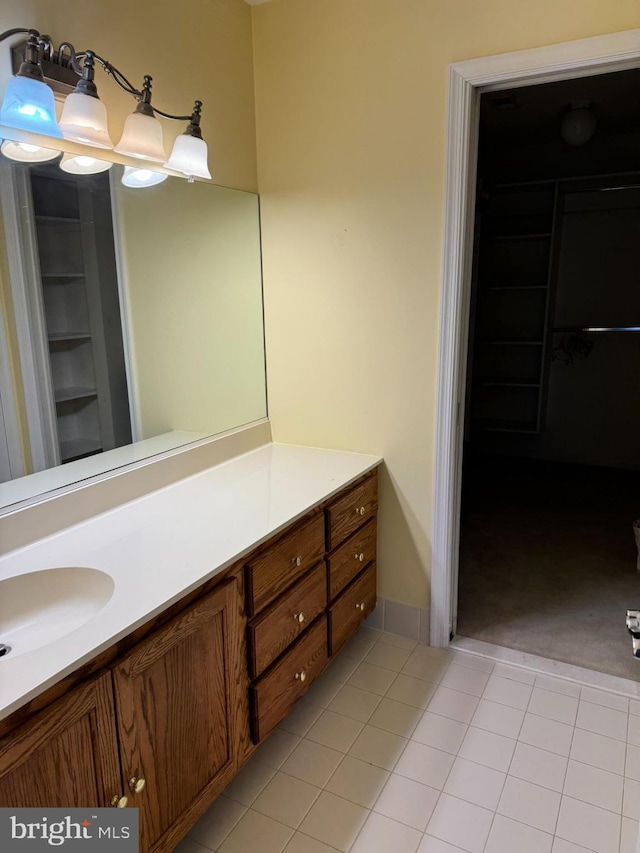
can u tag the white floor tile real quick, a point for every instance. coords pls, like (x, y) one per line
(599, 751)
(360, 644)
(634, 707)
(411, 691)
(312, 762)
(444, 656)
(333, 820)
(395, 717)
(562, 846)
(500, 719)
(389, 657)
(460, 823)
(398, 641)
(187, 845)
(357, 781)
(602, 721)
(633, 730)
(558, 685)
(631, 806)
(286, 799)
(341, 669)
(530, 804)
(629, 835)
(382, 835)
(588, 826)
(440, 732)
(322, 691)
(465, 680)
(375, 679)
(595, 786)
(509, 836)
(300, 718)
(475, 783)
(277, 748)
(378, 747)
(216, 823)
(249, 782)
(515, 673)
(435, 845)
(425, 764)
(426, 666)
(472, 661)
(546, 734)
(407, 801)
(632, 763)
(603, 697)
(334, 730)
(508, 692)
(487, 748)
(554, 706)
(301, 843)
(355, 703)
(453, 704)
(539, 766)
(256, 832)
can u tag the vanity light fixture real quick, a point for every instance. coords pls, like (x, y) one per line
(81, 164)
(84, 116)
(24, 152)
(142, 177)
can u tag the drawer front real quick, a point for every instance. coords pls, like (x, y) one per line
(352, 511)
(279, 625)
(352, 608)
(357, 552)
(273, 571)
(273, 695)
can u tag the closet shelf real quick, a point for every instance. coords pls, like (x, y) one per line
(77, 448)
(69, 336)
(513, 343)
(64, 220)
(63, 395)
(540, 235)
(512, 287)
(510, 383)
(507, 426)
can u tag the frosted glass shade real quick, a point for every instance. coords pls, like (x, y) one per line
(23, 152)
(28, 105)
(80, 164)
(142, 137)
(134, 177)
(84, 119)
(189, 156)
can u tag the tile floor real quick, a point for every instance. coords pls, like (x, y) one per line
(403, 748)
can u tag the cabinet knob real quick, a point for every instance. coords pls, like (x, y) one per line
(301, 676)
(297, 561)
(360, 510)
(360, 606)
(360, 557)
(119, 802)
(137, 785)
(299, 617)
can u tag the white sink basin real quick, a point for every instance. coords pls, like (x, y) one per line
(40, 607)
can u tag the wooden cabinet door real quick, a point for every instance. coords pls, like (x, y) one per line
(67, 755)
(176, 705)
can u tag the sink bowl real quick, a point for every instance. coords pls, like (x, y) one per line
(40, 607)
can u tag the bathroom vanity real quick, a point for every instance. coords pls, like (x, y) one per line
(232, 591)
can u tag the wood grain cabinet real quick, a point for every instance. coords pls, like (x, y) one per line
(166, 717)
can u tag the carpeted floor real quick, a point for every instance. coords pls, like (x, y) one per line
(548, 561)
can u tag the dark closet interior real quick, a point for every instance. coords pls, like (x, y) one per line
(552, 425)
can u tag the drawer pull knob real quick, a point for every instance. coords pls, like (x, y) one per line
(299, 617)
(301, 676)
(137, 785)
(119, 802)
(360, 510)
(360, 606)
(360, 557)
(297, 561)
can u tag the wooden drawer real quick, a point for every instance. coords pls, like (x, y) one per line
(351, 511)
(281, 564)
(357, 552)
(273, 695)
(279, 625)
(352, 608)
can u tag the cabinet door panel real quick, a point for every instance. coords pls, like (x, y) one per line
(66, 756)
(175, 703)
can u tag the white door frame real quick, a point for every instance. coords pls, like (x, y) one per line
(598, 55)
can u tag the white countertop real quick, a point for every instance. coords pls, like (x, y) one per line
(162, 546)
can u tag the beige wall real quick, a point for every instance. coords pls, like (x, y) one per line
(351, 123)
(193, 49)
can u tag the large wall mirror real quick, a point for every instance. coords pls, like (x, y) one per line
(131, 321)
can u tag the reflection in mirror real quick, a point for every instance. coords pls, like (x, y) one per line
(126, 315)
